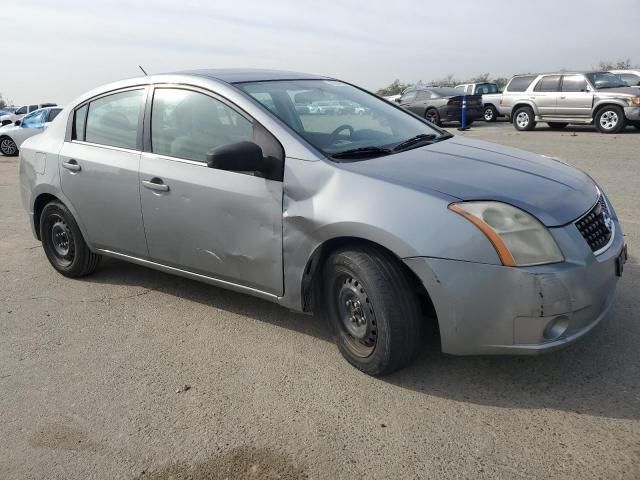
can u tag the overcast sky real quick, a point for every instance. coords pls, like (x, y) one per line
(54, 50)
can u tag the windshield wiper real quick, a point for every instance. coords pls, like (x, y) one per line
(413, 141)
(362, 152)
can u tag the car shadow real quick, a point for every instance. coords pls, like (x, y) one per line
(597, 376)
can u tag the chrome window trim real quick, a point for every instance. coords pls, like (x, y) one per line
(174, 159)
(109, 147)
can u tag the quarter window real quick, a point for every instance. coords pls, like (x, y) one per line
(520, 84)
(113, 120)
(79, 122)
(548, 84)
(188, 124)
(574, 83)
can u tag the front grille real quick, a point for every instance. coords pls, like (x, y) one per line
(596, 226)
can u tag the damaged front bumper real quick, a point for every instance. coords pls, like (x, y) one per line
(493, 309)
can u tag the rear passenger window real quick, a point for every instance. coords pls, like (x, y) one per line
(520, 84)
(113, 120)
(574, 83)
(79, 122)
(187, 124)
(548, 84)
(53, 114)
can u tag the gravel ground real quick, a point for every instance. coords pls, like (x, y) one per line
(131, 373)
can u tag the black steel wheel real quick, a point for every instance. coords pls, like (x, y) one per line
(63, 243)
(373, 310)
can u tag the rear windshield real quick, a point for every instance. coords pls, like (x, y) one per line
(483, 88)
(520, 84)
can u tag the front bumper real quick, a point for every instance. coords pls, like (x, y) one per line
(492, 309)
(632, 113)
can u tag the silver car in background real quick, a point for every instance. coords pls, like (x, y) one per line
(560, 99)
(378, 219)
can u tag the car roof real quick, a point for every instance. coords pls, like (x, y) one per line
(241, 75)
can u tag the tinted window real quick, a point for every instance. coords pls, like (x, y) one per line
(34, 120)
(520, 84)
(113, 120)
(408, 97)
(630, 79)
(574, 83)
(33, 108)
(550, 83)
(605, 80)
(187, 124)
(483, 88)
(53, 113)
(21, 111)
(79, 122)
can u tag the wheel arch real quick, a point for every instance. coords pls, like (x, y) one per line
(311, 284)
(523, 104)
(606, 103)
(42, 198)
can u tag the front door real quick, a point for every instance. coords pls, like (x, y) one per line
(99, 171)
(223, 224)
(575, 99)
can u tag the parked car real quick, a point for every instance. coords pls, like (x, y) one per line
(599, 98)
(22, 111)
(441, 104)
(490, 97)
(12, 136)
(382, 224)
(630, 77)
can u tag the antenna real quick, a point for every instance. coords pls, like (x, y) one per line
(145, 73)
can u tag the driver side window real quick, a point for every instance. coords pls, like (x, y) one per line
(34, 120)
(187, 124)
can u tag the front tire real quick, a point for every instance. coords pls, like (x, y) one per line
(490, 113)
(433, 116)
(8, 147)
(524, 119)
(557, 125)
(372, 309)
(63, 243)
(610, 119)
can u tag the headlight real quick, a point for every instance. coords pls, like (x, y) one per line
(635, 100)
(519, 238)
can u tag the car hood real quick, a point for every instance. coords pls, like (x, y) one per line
(626, 90)
(466, 169)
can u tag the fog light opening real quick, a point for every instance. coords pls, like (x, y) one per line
(556, 328)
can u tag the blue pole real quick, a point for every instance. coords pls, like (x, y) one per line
(463, 121)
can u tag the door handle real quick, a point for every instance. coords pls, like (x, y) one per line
(156, 184)
(562, 98)
(72, 165)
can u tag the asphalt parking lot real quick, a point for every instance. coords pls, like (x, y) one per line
(93, 373)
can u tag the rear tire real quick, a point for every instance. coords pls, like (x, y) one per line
(372, 309)
(490, 113)
(63, 243)
(433, 116)
(8, 147)
(557, 125)
(610, 119)
(524, 119)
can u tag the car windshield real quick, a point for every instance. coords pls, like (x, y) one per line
(602, 80)
(340, 118)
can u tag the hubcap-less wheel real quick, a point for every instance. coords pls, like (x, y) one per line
(357, 316)
(8, 147)
(432, 116)
(522, 119)
(609, 120)
(61, 239)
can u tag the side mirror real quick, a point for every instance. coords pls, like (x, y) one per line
(17, 123)
(238, 157)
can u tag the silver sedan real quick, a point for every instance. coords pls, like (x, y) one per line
(381, 221)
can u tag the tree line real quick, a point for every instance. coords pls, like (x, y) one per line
(396, 87)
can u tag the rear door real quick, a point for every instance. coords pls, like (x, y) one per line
(545, 94)
(222, 224)
(99, 165)
(575, 99)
